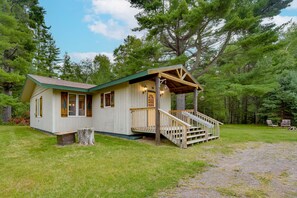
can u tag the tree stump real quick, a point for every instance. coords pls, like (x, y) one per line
(86, 136)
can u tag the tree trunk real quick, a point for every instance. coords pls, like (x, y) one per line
(7, 109)
(180, 101)
(245, 110)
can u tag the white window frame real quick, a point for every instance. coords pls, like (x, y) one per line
(105, 100)
(77, 105)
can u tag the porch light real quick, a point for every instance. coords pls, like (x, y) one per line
(144, 89)
(162, 92)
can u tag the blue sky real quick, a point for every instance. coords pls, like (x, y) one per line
(84, 28)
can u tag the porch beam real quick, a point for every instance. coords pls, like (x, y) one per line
(179, 75)
(157, 107)
(195, 101)
(179, 88)
(170, 77)
(183, 77)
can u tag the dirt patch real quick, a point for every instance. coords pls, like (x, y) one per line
(259, 170)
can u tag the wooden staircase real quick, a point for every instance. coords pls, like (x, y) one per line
(187, 131)
(183, 128)
(197, 135)
(194, 135)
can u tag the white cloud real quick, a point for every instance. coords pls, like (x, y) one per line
(293, 5)
(111, 29)
(112, 18)
(78, 56)
(119, 9)
(280, 20)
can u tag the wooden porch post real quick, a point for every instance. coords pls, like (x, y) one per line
(158, 135)
(195, 101)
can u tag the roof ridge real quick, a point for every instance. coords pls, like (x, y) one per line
(32, 75)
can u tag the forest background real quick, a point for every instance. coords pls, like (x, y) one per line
(247, 66)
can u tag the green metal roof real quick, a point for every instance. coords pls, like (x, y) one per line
(119, 81)
(87, 88)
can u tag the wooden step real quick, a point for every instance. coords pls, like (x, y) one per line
(196, 135)
(196, 131)
(201, 140)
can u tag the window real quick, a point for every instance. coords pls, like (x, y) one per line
(38, 107)
(107, 99)
(77, 105)
(89, 105)
(72, 104)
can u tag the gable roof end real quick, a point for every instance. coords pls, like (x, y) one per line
(46, 82)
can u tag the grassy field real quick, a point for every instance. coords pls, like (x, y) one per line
(33, 165)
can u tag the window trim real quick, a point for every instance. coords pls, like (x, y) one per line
(77, 104)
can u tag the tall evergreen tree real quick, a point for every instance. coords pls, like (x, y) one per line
(198, 32)
(136, 55)
(46, 55)
(16, 51)
(66, 69)
(102, 70)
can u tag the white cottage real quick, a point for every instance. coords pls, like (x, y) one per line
(140, 103)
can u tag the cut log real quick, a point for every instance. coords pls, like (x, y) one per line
(86, 136)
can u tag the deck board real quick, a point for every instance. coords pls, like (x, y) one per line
(152, 129)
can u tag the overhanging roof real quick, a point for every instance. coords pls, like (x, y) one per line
(46, 82)
(119, 81)
(178, 79)
(169, 72)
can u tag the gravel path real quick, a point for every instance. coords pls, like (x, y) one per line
(260, 170)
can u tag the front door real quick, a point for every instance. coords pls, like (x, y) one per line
(151, 99)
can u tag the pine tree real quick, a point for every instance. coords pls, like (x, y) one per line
(16, 51)
(102, 70)
(66, 69)
(199, 32)
(47, 54)
(136, 55)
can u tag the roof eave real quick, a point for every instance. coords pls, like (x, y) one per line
(119, 81)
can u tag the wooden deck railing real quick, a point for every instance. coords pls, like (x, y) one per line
(212, 128)
(143, 119)
(174, 129)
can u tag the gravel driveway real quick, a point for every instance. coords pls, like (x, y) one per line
(259, 170)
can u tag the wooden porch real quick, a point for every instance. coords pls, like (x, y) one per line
(182, 127)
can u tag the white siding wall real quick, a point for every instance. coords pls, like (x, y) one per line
(64, 124)
(139, 99)
(113, 119)
(45, 122)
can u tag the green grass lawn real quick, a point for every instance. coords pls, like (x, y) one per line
(32, 165)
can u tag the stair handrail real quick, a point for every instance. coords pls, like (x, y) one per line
(199, 120)
(175, 118)
(209, 118)
(197, 113)
(185, 128)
